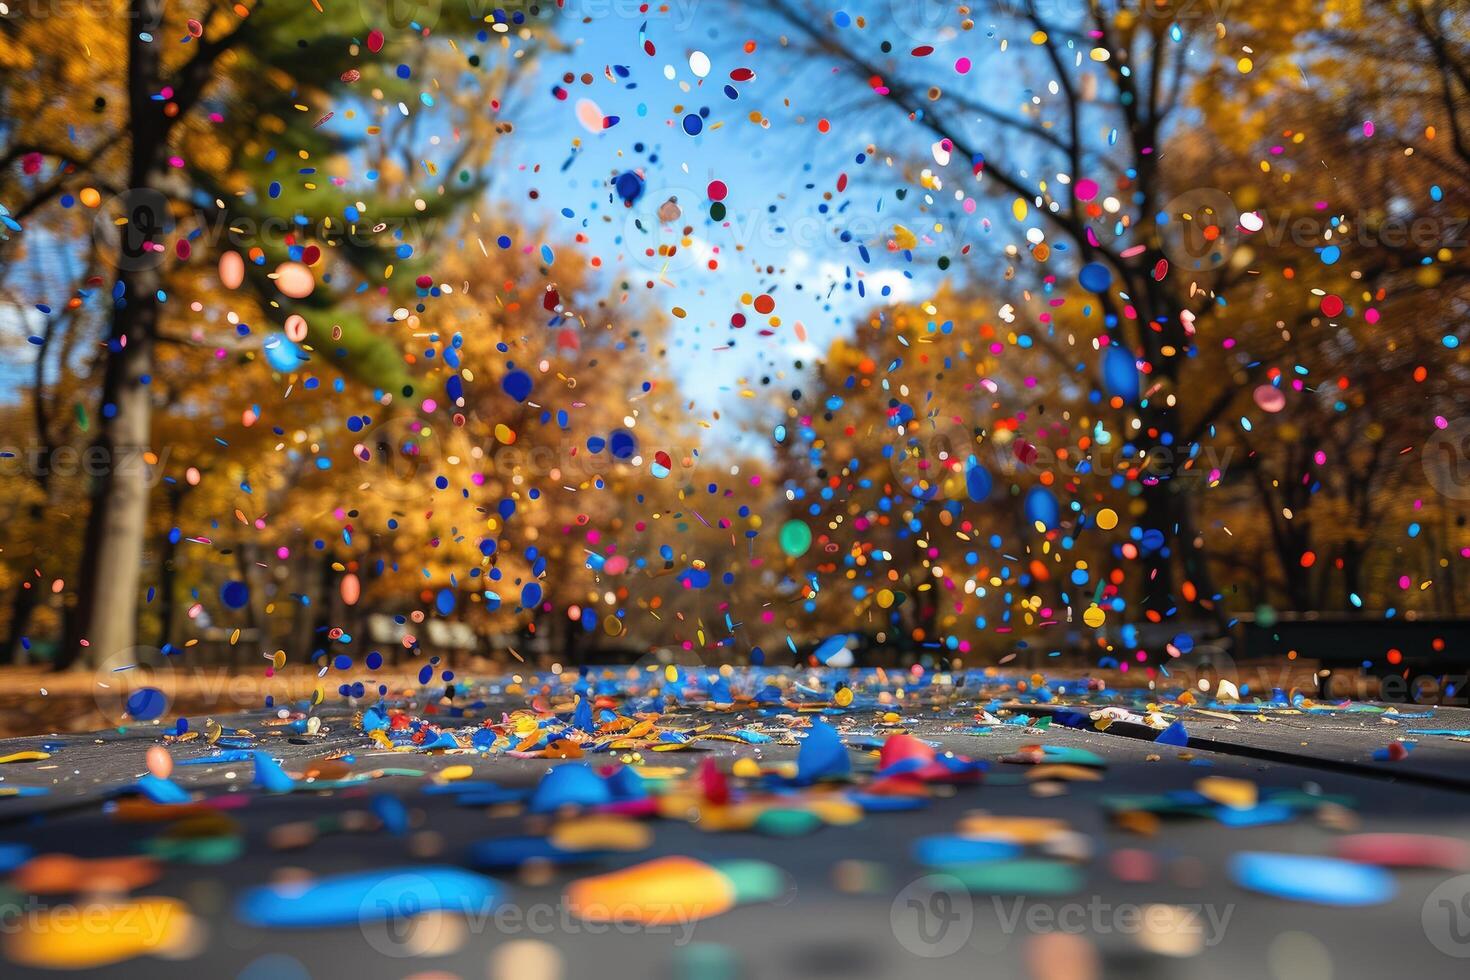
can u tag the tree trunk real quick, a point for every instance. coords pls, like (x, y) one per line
(168, 583)
(105, 617)
(169, 567)
(24, 604)
(327, 594)
(112, 552)
(1353, 558)
(303, 617)
(1159, 514)
(1195, 562)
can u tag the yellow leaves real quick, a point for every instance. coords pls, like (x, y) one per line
(15, 55)
(1428, 276)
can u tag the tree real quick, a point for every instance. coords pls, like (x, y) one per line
(1087, 124)
(191, 122)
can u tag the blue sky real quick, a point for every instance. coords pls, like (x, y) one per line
(776, 178)
(781, 233)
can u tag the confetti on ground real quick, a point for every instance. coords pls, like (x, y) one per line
(553, 441)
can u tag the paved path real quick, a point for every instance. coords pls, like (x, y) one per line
(837, 918)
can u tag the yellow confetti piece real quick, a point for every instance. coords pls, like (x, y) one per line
(1062, 771)
(720, 819)
(661, 772)
(1238, 794)
(113, 933)
(24, 757)
(1022, 830)
(601, 833)
(838, 811)
(451, 773)
(671, 889)
(1138, 821)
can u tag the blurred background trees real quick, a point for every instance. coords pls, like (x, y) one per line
(1269, 207)
(1284, 426)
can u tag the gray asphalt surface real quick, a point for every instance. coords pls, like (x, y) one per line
(817, 929)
